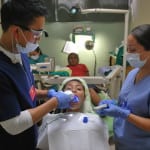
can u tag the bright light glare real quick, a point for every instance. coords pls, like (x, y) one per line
(80, 40)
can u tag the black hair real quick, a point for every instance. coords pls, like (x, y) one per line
(73, 54)
(38, 50)
(142, 34)
(21, 12)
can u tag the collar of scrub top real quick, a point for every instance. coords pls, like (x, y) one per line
(12, 56)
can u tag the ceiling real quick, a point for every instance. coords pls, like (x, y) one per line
(59, 10)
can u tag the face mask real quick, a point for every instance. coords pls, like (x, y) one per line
(134, 60)
(35, 57)
(28, 48)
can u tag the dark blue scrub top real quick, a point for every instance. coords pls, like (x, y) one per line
(16, 81)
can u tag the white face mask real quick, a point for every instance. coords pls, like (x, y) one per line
(34, 57)
(28, 48)
(134, 60)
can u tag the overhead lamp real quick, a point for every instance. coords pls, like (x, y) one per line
(70, 47)
(89, 44)
(74, 10)
(83, 32)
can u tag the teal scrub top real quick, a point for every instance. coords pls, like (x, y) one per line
(39, 60)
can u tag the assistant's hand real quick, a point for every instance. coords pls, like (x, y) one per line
(114, 111)
(107, 101)
(63, 99)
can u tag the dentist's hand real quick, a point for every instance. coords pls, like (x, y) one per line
(51, 93)
(114, 111)
(63, 99)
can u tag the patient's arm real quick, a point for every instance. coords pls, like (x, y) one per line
(95, 98)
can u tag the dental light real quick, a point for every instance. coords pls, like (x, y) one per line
(74, 10)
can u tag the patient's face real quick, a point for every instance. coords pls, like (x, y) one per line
(77, 88)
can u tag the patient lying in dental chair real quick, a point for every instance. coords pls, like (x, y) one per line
(79, 128)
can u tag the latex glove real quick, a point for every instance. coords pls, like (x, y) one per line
(63, 99)
(107, 101)
(114, 111)
(51, 93)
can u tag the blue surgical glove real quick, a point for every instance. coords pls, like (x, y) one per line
(51, 93)
(107, 101)
(114, 111)
(63, 99)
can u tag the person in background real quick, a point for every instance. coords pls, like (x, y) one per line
(22, 25)
(77, 68)
(132, 111)
(76, 123)
(119, 59)
(37, 56)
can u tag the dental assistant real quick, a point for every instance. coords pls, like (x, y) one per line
(132, 113)
(22, 24)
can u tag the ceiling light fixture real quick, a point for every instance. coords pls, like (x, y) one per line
(75, 10)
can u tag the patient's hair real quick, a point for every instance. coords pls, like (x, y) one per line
(73, 80)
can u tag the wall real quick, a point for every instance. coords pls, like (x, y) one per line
(140, 12)
(108, 37)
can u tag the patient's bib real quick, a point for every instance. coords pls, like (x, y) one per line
(73, 131)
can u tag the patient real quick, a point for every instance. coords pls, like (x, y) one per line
(78, 124)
